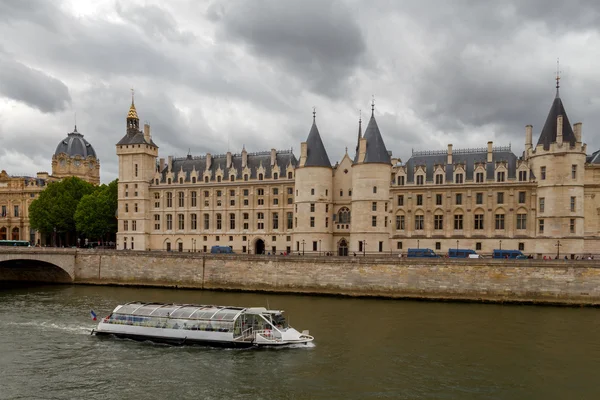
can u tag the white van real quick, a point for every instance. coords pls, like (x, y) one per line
(475, 256)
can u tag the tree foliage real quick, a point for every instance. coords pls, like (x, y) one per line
(95, 216)
(55, 208)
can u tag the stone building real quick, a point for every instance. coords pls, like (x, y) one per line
(74, 156)
(542, 202)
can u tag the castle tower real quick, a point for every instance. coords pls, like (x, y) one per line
(557, 161)
(137, 163)
(314, 188)
(371, 174)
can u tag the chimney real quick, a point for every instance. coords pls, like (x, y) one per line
(489, 151)
(161, 164)
(559, 130)
(244, 158)
(208, 161)
(228, 165)
(449, 154)
(273, 157)
(147, 137)
(528, 137)
(170, 161)
(303, 153)
(577, 131)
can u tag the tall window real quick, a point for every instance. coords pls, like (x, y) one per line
(419, 179)
(499, 221)
(193, 222)
(136, 170)
(400, 200)
(459, 178)
(543, 173)
(439, 179)
(181, 199)
(458, 199)
(374, 220)
(401, 181)
(521, 197)
(157, 222)
(181, 222)
(419, 199)
(156, 200)
(134, 225)
(479, 198)
(541, 226)
(419, 222)
(344, 215)
(193, 195)
(522, 176)
(374, 206)
(206, 221)
(16, 211)
(542, 204)
(275, 221)
(521, 221)
(438, 199)
(219, 221)
(572, 203)
(458, 222)
(312, 207)
(374, 189)
(572, 225)
(260, 217)
(501, 176)
(500, 197)
(573, 171)
(400, 222)
(169, 222)
(312, 222)
(479, 177)
(478, 222)
(231, 221)
(169, 199)
(438, 222)
(290, 220)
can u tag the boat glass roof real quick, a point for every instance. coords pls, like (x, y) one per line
(183, 311)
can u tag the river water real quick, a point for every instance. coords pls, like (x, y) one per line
(363, 349)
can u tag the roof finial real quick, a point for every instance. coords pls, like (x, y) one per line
(557, 76)
(132, 93)
(75, 118)
(314, 113)
(373, 105)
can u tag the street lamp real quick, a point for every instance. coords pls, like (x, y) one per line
(364, 248)
(248, 247)
(457, 246)
(500, 244)
(302, 246)
(417, 243)
(558, 248)
(319, 246)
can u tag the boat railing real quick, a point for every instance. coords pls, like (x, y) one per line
(245, 335)
(269, 334)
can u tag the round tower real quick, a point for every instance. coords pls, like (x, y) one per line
(371, 174)
(313, 195)
(557, 163)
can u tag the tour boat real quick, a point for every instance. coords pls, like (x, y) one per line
(201, 324)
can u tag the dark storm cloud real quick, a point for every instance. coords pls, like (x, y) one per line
(32, 87)
(320, 42)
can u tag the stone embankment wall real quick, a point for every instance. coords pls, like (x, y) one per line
(560, 282)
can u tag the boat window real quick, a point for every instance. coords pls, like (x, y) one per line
(279, 321)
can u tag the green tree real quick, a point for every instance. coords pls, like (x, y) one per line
(54, 209)
(95, 216)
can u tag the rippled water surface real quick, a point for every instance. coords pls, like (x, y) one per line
(364, 348)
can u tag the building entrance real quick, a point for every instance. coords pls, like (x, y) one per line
(259, 246)
(343, 248)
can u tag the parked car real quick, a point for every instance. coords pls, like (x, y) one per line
(421, 253)
(221, 250)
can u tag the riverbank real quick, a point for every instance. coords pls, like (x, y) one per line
(555, 282)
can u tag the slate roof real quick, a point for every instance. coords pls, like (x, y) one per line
(75, 145)
(593, 158)
(548, 134)
(376, 151)
(316, 155)
(468, 157)
(135, 138)
(254, 160)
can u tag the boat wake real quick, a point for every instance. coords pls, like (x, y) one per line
(46, 325)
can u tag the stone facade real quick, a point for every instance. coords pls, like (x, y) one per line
(544, 202)
(74, 156)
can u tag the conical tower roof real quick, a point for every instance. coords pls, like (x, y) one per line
(132, 111)
(316, 155)
(376, 150)
(548, 134)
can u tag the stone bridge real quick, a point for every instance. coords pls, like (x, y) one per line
(37, 264)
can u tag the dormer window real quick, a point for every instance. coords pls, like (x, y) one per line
(206, 179)
(459, 178)
(419, 179)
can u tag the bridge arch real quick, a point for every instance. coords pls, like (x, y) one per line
(27, 265)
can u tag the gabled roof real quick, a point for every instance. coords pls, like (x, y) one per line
(376, 151)
(548, 134)
(316, 155)
(136, 138)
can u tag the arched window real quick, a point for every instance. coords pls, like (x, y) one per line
(232, 178)
(193, 179)
(245, 177)
(290, 175)
(275, 175)
(180, 180)
(260, 177)
(206, 179)
(344, 215)
(3, 233)
(219, 178)
(169, 181)
(15, 234)
(374, 189)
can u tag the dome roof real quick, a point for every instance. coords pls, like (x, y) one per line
(75, 145)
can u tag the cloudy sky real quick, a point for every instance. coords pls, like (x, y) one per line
(215, 75)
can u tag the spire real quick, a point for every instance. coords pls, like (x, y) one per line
(133, 122)
(132, 111)
(557, 77)
(359, 134)
(316, 155)
(549, 134)
(376, 150)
